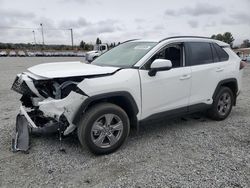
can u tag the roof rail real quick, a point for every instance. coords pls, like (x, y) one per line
(176, 37)
(129, 40)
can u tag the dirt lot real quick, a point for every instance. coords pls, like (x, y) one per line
(190, 152)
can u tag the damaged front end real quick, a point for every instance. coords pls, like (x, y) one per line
(47, 106)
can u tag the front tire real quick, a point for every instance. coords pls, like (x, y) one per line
(222, 104)
(104, 128)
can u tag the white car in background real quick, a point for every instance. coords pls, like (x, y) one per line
(98, 50)
(30, 54)
(247, 58)
(137, 81)
(12, 53)
(3, 53)
(21, 53)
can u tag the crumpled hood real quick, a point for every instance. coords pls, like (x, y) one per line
(69, 69)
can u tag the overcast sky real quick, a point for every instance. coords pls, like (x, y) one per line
(117, 20)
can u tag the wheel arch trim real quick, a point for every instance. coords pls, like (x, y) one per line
(109, 95)
(227, 81)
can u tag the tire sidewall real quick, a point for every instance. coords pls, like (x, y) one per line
(217, 98)
(97, 114)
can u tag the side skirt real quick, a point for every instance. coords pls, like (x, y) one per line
(170, 114)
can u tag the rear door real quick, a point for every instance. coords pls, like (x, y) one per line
(205, 72)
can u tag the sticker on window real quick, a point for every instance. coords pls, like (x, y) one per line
(142, 47)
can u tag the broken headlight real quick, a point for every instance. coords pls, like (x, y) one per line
(21, 87)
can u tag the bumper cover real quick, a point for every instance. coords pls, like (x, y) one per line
(20, 142)
(25, 126)
(52, 110)
(24, 123)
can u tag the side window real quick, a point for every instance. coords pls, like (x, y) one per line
(173, 52)
(223, 56)
(215, 54)
(199, 53)
(103, 48)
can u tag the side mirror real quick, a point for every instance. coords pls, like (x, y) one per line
(159, 65)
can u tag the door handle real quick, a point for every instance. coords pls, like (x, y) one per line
(185, 77)
(219, 69)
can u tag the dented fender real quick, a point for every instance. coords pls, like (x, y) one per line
(55, 108)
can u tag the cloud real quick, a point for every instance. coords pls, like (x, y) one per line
(242, 18)
(139, 20)
(199, 9)
(72, 1)
(79, 23)
(80, 2)
(237, 19)
(193, 23)
(105, 26)
(9, 18)
(15, 14)
(227, 21)
(158, 27)
(202, 9)
(47, 22)
(170, 12)
(210, 24)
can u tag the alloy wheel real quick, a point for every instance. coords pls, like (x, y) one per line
(106, 130)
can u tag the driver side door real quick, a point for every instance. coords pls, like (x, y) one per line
(168, 91)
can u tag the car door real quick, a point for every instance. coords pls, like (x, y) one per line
(205, 73)
(169, 89)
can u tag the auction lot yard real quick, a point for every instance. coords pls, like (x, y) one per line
(185, 152)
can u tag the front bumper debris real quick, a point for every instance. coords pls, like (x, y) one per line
(50, 116)
(25, 126)
(24, 123)
(20, 142)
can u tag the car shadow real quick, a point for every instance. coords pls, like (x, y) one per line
(156, 126)
(71, 143)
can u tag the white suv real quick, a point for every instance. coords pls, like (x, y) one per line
(137, 81)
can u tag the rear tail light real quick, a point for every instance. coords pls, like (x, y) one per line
(242, 64)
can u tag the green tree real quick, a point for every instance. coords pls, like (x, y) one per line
(226, 37)
(98, 41)
(245, 44)
(82, 44)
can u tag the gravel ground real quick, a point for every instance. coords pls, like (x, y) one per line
(185, 152)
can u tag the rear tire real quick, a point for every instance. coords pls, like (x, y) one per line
(222, 104)
(103, 128)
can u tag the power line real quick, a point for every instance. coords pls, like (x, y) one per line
(45, 28)
(42, 29)
(17, 28)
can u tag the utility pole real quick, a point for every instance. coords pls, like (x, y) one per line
(42, 33)
(34, 39)
(34, 34)
(72, 38)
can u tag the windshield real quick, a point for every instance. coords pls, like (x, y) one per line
(124, 55)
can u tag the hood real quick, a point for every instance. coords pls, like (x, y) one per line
(69, 69)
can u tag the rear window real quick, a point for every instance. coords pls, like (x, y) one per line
(220, 53)
(199, 53)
